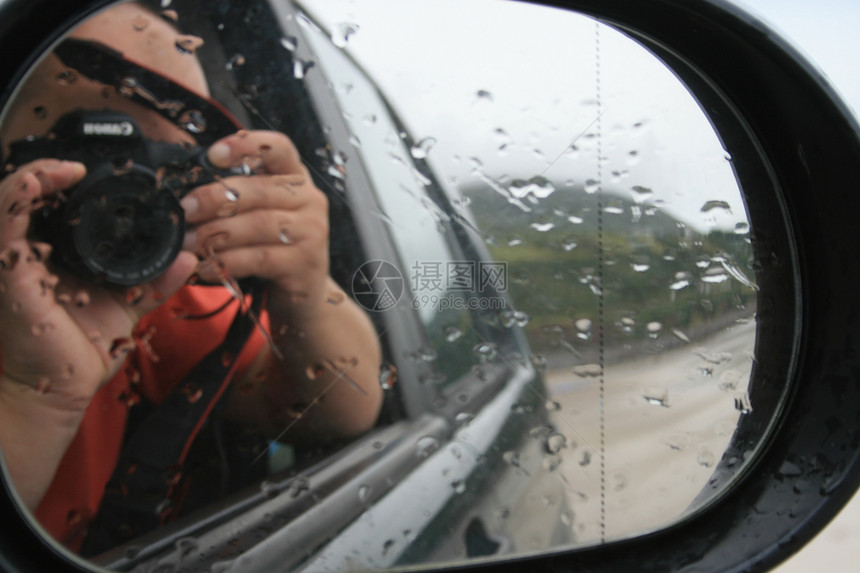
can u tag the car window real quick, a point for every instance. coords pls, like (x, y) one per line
(444, 284)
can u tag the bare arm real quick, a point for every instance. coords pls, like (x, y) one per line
(322, 382)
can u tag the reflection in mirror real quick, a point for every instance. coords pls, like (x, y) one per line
(532, 325)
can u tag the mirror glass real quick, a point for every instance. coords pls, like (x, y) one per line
(532, 325)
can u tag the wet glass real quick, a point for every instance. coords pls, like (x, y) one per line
(587, 168)
(556, 254)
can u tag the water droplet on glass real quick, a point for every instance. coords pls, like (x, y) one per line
(657, 397)
(640, 267)
(186, 546)
(132, 552)
(387, 376)
(453, 333)
(121, 346)
(742, 228)
(555, 443)
(680, 335)
(521, 318)
(188, 44)
(641, 193)
(539, 362)
(513, 458)
(342, 33)
(269, 490)
(425, 354)
(134, 295)
(193, 122)
(536, 190)
(230, 208)
(464, 418)
(542, 227)
(588, 370)
(484, 94)
(170, 15)
(426, 445)
(298, 486)
(485, 351)
(742, 403)
(290, 43)
(592, 186)
(713, 357)
(335, 297)
(363, 493)
(300, 68)
(679, 285)
(515, 242)
(314, 371)
(67, 77)
(193, 393)
(421, 149)
(706, 458)
(715, 276)
(236, 61)
(521, 278)
(570, 243)
(140, 23)
(583, 326)
(716, 204)
(43, 385)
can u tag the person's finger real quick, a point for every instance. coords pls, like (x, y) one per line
(141, 299)
(235, 195)
(258, 227)
(269, 151)
(26, 189)
(289, 267)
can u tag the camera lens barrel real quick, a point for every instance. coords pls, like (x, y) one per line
(118, 229)
(122, 224)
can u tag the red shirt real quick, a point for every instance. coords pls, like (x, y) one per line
(168, 347)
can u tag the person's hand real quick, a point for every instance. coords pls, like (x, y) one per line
(61, 338)
(272, 224)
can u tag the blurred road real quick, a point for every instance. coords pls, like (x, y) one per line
(668, 420)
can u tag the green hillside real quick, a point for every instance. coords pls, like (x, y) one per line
(656, 270)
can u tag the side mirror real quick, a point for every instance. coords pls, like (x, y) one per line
(764, 222)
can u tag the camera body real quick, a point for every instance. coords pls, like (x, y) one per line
(122, 224)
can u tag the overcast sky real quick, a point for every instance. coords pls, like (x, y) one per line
(513, 85)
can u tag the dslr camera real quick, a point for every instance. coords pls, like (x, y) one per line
(122, 224)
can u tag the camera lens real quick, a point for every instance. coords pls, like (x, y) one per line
(121, 229)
